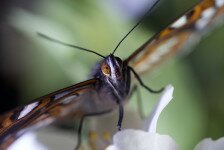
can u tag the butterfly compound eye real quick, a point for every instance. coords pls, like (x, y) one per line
(105, 69)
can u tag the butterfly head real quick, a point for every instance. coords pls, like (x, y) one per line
(113, 73)
(112, 67)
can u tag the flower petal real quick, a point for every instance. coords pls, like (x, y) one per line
(165, 98)
(209, 144)
(27, 142)
(141, 140)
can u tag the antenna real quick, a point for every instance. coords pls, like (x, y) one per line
(66, 44)
(143, 17)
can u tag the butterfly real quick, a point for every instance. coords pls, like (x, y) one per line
(110, 85)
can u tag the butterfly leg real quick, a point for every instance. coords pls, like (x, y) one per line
(142, 84)
(121, 114)
(79, 141)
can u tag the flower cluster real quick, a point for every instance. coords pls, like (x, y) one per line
(150, 140)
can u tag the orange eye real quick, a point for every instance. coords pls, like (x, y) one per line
(105, 69)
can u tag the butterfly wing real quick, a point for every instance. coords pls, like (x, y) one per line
(73, 101)
(185, 31)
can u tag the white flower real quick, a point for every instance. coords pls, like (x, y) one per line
(27, 142)
(150, 140)
(209, 144)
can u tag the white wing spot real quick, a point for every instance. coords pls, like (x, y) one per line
(219, 3)
(205, 18)
(180, 22)
(69, 99)
(161, 50)
(27, 109)
(58, 96)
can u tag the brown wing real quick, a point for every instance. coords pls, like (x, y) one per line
(67, 102)
(177, 37)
